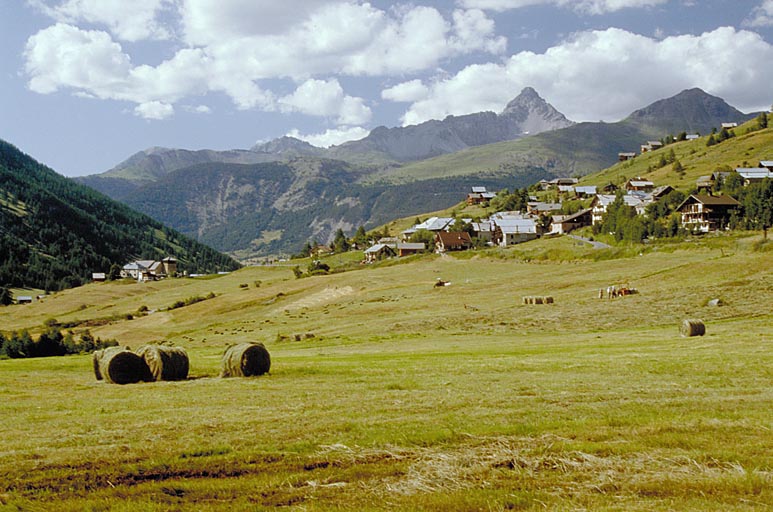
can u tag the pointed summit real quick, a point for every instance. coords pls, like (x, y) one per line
(533, 113)
(692, 110)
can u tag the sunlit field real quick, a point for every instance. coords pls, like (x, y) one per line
(386, 392)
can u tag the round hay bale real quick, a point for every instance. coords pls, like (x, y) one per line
(118, 365)
(165, 363)
(548, 300)
(692, 327)
(246, 360)
(95, 357)
(537, 300)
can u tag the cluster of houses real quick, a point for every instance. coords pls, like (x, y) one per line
(150, 270)
(700, 212)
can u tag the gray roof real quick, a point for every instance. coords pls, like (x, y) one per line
(411, 246)
(376, 248)
(755, 174)
(766, 163)
(510, 225)
(586, 189)
(478, 190)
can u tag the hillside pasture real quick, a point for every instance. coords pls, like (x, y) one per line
(401, 395)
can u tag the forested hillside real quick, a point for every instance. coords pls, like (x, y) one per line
(54, 233)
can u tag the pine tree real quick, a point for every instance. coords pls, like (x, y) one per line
(6, 298)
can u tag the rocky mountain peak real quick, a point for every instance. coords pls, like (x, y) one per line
(287, 144)
(534, 113)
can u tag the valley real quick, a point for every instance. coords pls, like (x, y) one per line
(415, 397)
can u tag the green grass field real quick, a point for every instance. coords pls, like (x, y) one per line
(412, 397)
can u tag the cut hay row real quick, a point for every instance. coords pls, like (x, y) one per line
(119, 365)
(530, 299)
(165, 363)
(246, 360)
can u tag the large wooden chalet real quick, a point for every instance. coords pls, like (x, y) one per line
(704, 213)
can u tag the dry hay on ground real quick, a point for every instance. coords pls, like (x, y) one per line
(165, 363)
(246, 360)
(118, 365)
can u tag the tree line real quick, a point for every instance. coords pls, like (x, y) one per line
(52, 342)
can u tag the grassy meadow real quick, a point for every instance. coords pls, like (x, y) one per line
(387, 393)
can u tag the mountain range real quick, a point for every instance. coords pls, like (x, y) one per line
(277, 195)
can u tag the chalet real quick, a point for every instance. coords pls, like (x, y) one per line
(513, 230)
(408, 248)
(540, 208)
(566, 189)
(693, 136)
(555, 183)
(622, 157)
(754, 175)
(609, 188)
(24, 299)
(661, 191)
(148, 270)
(434, 224)
(452, 241)
(379, 252)
(651, 145)
(482, 231)
(601, 202)
(479, 195)
(98, 277)
(639, 184)
(709, 182)
(704, 213)
(729, 126)
(585, 191)
(562, 224)
(768, 164)
(321, 250)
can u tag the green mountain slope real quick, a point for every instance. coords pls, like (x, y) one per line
(746, 149)
(54, 233)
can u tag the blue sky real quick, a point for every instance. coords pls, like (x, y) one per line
(87, 83)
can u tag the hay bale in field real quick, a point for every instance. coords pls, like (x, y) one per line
(165, 363)
(692, 327)
(95, 357)
(119, 365)
(537, 300)
(548, 300)
(246, 360)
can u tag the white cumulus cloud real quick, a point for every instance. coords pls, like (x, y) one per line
(239, 47)
(584, 6)
(133, 20)
(331, 137)
(413, 90)
(155, 110)
(326, 98)
(65, 56)
(607, 74)
(761, 16)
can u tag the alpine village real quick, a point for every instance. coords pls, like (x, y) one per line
(574, 316)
